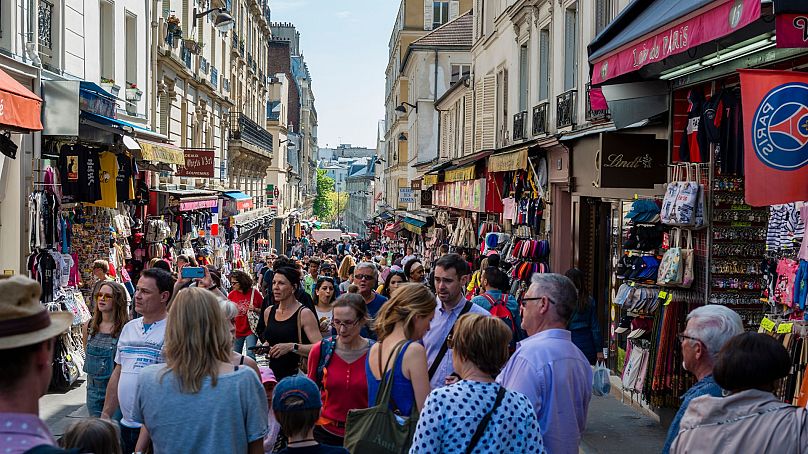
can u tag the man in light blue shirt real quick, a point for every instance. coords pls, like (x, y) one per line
(451, 278)
(547, 367)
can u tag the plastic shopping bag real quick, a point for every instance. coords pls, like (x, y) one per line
(601, 385)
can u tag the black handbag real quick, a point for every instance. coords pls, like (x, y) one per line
(65, 370)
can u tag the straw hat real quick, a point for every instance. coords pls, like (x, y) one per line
(23, 320)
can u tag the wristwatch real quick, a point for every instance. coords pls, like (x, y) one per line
(295, 347)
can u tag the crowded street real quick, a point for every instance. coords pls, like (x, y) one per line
(403, 226)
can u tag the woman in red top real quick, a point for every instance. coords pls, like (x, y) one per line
(247, 299)
(343, 382)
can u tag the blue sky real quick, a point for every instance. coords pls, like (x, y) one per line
(345, 45)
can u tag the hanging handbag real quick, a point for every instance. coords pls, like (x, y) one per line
(687, 263)
(376, 430)
(65, 370)
(253, 318)
(680, 201)
(670, 268)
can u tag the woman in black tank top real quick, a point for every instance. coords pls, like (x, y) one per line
(291, 329)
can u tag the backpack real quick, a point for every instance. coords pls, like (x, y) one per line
(327, 348)
(499, 309)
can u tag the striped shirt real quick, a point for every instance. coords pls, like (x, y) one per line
(139, 346)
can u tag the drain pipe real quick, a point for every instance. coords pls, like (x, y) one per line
(153, 95)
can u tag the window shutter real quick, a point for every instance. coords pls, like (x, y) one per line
(489, 112)
(428, 15)
(479, 89)
(570, 48)
(165, 112)
(468, 119)
(505, 119)
(451, 141)
(454, 9)
(185, 9)
(444, 135)
(478, 19)
(544, 64)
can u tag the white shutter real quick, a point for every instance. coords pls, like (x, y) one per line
(428, 15)
(468, 123)
(489, 104)
(479, 89)
(450, 119)
(454, 9)
(444, 135)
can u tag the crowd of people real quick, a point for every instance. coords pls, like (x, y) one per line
(337, 352)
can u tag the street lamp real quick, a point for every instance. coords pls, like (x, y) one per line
(400, 109)
(402, 137)
(291, 144)
(223, 21)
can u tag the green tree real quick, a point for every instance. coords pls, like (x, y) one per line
(339, 203)
(323, 206)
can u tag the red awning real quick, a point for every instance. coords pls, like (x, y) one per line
(706, 24)
(19, 107)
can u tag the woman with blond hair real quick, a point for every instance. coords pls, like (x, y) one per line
(476, 411)
(399, 324)
(101, 335)
(198, 401)
(237, 359)
(344, 268)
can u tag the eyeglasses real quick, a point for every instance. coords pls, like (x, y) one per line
(525, 300)
(364, 277)
(683, 336)
(346, 324)
(102, 297)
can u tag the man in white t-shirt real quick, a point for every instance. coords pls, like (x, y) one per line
(140, 345)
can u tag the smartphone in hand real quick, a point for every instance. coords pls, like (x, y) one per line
(192, 272)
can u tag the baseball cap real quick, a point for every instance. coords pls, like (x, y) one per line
(625, 325)
(296, 393)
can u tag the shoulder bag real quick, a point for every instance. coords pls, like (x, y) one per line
(303, 362)
(253, 318)
(445, 346)
(377, 430)
(484, 422)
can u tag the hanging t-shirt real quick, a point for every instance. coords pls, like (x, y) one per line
(124, 181)
(108, 180)
(78, 171)
(690, 148)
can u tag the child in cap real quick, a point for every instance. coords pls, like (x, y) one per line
(273, 428)
(296, 403)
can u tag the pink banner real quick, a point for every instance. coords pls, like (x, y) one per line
(792, 30)
(198, 204)
(697, 28)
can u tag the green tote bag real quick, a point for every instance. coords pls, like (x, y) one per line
(376, 430)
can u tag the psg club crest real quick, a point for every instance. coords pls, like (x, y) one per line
(775, 119)
(780, 127)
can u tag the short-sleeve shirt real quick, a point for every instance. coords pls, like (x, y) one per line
(242, 302)
(137, 348)
(221, 418)
(373, 307)
(452, 413)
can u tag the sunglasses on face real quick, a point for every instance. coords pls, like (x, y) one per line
(101, 297)
(364, 277)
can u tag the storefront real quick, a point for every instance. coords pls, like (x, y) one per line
(719, 212)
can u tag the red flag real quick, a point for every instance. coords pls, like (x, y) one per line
(775, 115)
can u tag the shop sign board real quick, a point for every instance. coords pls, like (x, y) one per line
(721, 19)
(463, 195)
(415, 185)
(405, 195)
(791, 23)
(198, 163)
(157, 152)
(631, 161)
(430, 180)
(196, 204)
(507, 162)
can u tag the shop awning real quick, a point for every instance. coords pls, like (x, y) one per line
(22, 109)
(243, 201)
(116, 126)
(649, 31)
(459, 173)
(161, 152)
(507, 162)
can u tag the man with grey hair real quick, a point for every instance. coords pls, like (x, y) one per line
(547, 367)
(708, 329)
(366, 277)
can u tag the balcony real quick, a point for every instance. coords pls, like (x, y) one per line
(234, 43)
(246, 130)
(226, 84)
(565, 109)
(250, 62)
(594, 116)
(540, 118)
(520, 126)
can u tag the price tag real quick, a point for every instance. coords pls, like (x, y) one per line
(632, 284)
(784, 328)
(767, 324)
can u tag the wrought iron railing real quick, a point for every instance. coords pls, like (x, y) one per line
(244, 129)
(226, 84)
(565, 109)
(520, 126)
(234, 42)
(45, 21)
(539, 120)
(594, 115)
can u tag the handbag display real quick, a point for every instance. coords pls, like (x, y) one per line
(65, 370)
(377, 430)
(683, 204)
(670, 268)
